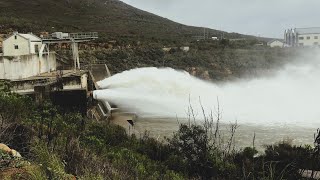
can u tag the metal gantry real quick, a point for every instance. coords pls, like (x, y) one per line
(71, 38)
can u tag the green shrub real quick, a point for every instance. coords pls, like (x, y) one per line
(152, 148)
(37, 173)
(195, 154)
(139, 166)
(100, 136)
(49, 161)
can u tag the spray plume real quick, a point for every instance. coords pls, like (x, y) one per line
(289, 97)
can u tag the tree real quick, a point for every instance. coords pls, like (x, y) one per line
(192, 143)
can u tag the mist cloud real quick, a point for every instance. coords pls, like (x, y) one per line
(287, 98)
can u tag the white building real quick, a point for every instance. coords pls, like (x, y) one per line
(275, 43)
(21, 67)
(302, 37)
(23, 56)
(21, 44)
(185, 48)
(215, 38)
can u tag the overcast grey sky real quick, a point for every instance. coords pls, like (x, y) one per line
(267, 18)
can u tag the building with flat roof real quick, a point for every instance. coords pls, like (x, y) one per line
(302, 37)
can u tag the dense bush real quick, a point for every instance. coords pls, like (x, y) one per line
(192, 144)
(62, 145)
(103, 135)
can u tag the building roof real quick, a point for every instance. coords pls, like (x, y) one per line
(275, 41)
(313, 30)
(30, 37)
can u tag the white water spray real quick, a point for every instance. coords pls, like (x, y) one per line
(290, 97)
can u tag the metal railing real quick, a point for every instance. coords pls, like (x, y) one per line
(81, 35)
(86, 35)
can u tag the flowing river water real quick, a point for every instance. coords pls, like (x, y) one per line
(160, 128)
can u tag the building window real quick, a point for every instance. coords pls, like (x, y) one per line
(15, 37)
(36, 48)
(16, 47)
(301, 38)
(308, 37)
(316, 37)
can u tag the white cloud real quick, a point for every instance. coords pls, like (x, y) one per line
(258, 17)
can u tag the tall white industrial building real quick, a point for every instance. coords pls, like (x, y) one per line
(302, 37)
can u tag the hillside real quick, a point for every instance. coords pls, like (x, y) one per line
(112, 18)
(127, 27)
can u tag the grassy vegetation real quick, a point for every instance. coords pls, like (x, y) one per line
(112, 18)
(131, 38)
(208, 60)
(64, 145)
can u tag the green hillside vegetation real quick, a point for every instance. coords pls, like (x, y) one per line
(211, 60)
(111, 18)
(131, 38)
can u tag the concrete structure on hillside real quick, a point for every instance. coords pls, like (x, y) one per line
(182, 48)
(215, 38)
(24, 66)
(24, 56)
(70, 38)
(21, 44)
(166, 49)
(185, 48)
(33, 70)
(302, 37)
(27, 55)
(276, 43)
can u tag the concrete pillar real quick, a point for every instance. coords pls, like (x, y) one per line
(75, 52)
